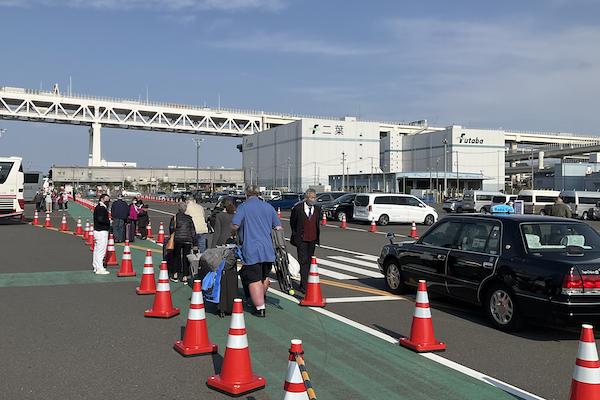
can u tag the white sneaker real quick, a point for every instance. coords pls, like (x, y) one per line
(102, 272)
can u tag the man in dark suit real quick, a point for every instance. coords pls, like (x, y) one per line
(306, 230)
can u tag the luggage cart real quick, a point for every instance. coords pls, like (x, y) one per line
(282, 262)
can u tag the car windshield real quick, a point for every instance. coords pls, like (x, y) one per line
(345, 198)
(499, 199)
(361, 201)
(545, 237)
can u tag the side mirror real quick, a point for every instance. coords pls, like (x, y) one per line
(390, 236)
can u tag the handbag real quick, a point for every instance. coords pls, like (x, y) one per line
(171, 242)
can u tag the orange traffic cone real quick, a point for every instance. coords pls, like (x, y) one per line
(149, 228)
(78, 229)
(236, 375)
(63, 224)
(324, 219)
(314, 297)
(110, 260)
(162, 307)
(48, 223)
(126, 264)
(343, 225)
(413, 231)
(90, 239)
(294, 384)
(148, 284)
(586, 376)
(161, 234)
(195, 340)
(373, 227)
(36, 218)
(422, 337)
(86, 232)
(279, 212)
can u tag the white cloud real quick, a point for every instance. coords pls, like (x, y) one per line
(173, 5)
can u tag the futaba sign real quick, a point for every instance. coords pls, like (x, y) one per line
(469, 140)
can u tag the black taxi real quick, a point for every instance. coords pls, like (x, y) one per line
(518, 267)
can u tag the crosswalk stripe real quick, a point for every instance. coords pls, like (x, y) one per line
(335, 275)
(349, 268)
(368, 257)
(355, 261)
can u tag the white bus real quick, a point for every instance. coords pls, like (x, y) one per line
(581, 202)
(33, 182)
(535, 201)
(12, 203)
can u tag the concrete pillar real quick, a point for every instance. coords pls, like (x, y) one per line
(95, 149)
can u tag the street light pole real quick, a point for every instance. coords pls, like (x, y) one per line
(532, 168)
(197, 141)
(445, 142)
(343, 170)
(289, 172)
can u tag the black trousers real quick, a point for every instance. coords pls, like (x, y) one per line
(305, 252)
(180, 260)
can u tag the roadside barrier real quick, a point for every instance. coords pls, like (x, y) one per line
(585, 384)
(36, 218)
(78, 229)
(344, 224)
(126, 264)
(294, 386)
(413, 231)
(236, 377)
(162, 307)
(63, 224)
(161, 234)
(110, 260)
(314, 297)
(47, 223)
(195, 339)
(148, 284)
(422, 338)
(373, 227)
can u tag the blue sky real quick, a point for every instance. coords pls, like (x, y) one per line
(531, 65)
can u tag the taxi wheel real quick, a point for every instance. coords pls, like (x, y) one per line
(501, 308)
(393, 277)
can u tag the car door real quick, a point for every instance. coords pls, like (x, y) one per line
(427, 257)
(416, 210)
(475, 258)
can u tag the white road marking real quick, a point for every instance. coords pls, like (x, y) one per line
(360, 299)
(335, 275)
(369, 258)
(160, 211)
(433, 357)
(355, 261)
(349, 268)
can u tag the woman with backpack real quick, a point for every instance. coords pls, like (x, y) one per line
(181, 242)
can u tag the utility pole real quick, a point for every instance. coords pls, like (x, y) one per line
(457, 183)
(532, 168)
(445, 142)
(343, 169)
(437, 182)
(289, 172)
(315, 183)
(371, 177)
(198, 141)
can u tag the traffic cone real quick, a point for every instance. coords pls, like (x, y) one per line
(78, 229)
(148, 284)
(126, 264)
(324, 219)
(161, 234)
(162, 307)
(36, 218)
(413, 231)
(48, 223)
(422, 337)
(373, 227)
(586, 376)
(86, 232)
(149, 228)
(314, 297)
(91, 242)
(110, 260)
(63, 224)
(236, 375)
(294, 384)
(343, 225)
(195, 339)
(279, 212)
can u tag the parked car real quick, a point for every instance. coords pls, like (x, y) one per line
(237, 200)
(161, 195)
(518, 267)
(286, 201)
(341, 207)
(387, 207)
(535, 201)
(475, 200)
(325, 197)
(498, 200)
(271, 194)
(452, 205)
(580, 202)
(130, 193)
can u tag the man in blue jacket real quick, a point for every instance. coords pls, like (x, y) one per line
(120, 212)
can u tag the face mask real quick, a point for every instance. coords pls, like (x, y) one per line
(311, 202)
(135, 202)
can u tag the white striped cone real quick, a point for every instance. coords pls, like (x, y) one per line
(90, 241)
(422, 337)
(195, 340)
(314, 296)
(161, 234)
(78, 228)
(586, 376)
(63, 224)
(149, 229)
(111, 255)
(47, 223)
(126, 264)
(36, 218)
(236, 375)
(294, 384)
(86, 231)
(162, 307)
(148, 284)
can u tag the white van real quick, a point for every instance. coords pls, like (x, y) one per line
(387, 207)
(478, 200)
(580, 202)
(32, 183)
(12, 203)
(535, 201)
(271, 194)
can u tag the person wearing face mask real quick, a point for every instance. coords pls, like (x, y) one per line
(306, 231)
(101, 227)
(134, 210)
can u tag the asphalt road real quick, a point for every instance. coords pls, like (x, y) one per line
(85, 340)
